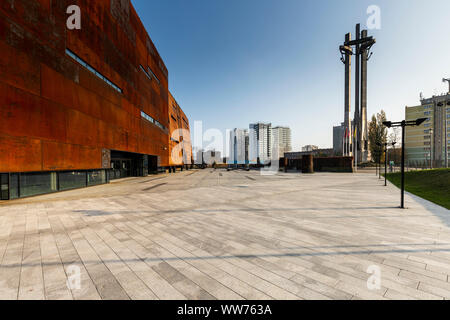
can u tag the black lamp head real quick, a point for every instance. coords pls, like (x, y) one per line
(420, 121)
(387, 124)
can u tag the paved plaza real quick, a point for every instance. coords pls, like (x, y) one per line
(213, 234)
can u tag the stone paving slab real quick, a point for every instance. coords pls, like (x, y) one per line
(208, 234)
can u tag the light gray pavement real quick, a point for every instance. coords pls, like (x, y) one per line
(226, 235)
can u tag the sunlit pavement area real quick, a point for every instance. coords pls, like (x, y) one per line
(226, 235)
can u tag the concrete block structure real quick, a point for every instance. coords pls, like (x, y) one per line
(78, 107)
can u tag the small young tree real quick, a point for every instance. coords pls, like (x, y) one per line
(395, 138)
(377, 136)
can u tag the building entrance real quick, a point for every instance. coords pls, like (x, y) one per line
(120, 169)
(126, 164)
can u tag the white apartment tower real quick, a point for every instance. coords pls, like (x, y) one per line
(282, 140)
(260, 141)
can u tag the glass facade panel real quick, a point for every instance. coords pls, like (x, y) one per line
(14, 186)
(32, 184)
(21, 185)
(72, 180)
(96, 177)
(4, 186)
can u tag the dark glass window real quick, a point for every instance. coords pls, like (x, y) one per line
(4, 186)
(14, 186)
(153, 75)
(32, 184)
(96, 177)
(150, 119)
(92, 70)
(72, 180)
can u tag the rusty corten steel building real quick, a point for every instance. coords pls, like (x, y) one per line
(180, 145)
(78, 107)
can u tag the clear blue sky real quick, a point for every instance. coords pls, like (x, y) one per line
(232, 62)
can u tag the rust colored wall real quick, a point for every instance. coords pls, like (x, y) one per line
(323, 164)
(333, 164)
(180, 137)
(57, 115)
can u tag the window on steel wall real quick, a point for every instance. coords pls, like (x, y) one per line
(92, 70)
(150, 74)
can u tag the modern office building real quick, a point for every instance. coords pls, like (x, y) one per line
(261, 133)
(338, 139)
(180, 145)
(78, 107)
(238, 147)
(211, 157)
(428, 144)
(341, 138)
(252, 146)
(282, 140)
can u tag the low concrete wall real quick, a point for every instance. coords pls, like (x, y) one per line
(333, 164)
(322, 164)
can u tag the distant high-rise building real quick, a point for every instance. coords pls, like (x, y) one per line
(212, 156)
(429, 143)
(261, 141)
(282, 140)
(238, 146)
(310, 148)
(338, 139)
(247, 146)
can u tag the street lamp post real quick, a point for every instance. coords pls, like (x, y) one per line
(376, 164)
(379, 153)
(404, 124)
(431, 149)
(386, 162)
(379, 161)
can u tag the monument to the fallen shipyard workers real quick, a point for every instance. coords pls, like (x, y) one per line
(355, 141)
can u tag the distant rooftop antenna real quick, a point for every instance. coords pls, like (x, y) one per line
(447, 80)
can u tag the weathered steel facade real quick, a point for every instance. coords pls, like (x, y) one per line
(70, 98)
(180, 145)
